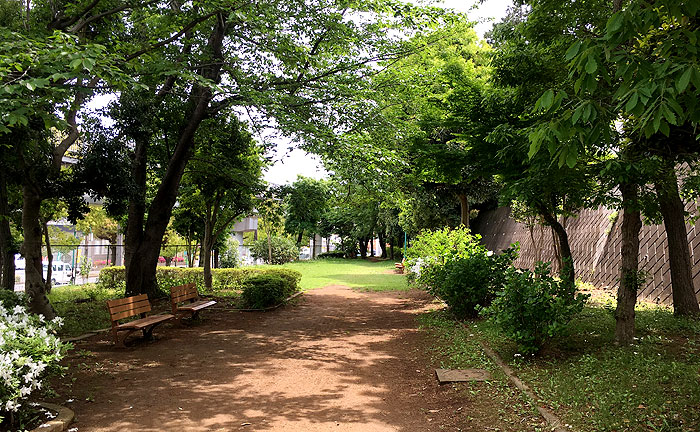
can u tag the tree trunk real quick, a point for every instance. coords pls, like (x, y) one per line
(464, 207)
(141, 278)
(629, 270)
(371, 245)
(207, 245)
(7, 244)
(391, 251)
(269, 249)
(168, 261)
(363, 247)
(49, 255)
(300, 237)
(382, 243)
(34, 279)
(672, 209)
(313, 250)
(136, 213)
(567, 272)
(113, 248)
(216, 258)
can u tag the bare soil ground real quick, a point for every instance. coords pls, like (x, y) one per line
(337, 359)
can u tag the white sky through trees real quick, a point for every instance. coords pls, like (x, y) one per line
(287, 165)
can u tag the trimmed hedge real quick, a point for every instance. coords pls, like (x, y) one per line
(225, 279)
(332, 254)
(265, 290)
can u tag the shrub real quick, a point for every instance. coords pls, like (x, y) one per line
(533, 306)
(283, 250)
(10, 299)
(466, 284)
(222, 279)
(265, 290)
(432, 249)
(332, 254)
(29, 351)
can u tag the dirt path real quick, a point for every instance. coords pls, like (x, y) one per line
(338, 360)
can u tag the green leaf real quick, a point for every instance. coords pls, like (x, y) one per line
(547, 99)
(591, 65)
(571, 157)
(684, 80)
(76, 63)
(614, 23)
(573, 50)
(632, 102)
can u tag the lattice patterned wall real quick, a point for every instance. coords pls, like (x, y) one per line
(595, 244)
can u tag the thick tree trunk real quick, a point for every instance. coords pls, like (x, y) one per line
(371, 246)
(464, 207)
(300, 237)
(141, 278)
(567, 272)
(216, 258)
(7, 244)
(136, 212)
(49, 255)
(363, 247)
(629, 270)
(34, 280)
(672, 209)
(382, 243)
(313, 250)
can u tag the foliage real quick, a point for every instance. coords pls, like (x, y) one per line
(224, 279)
(10, 299)
(29, 351)
(332, 254)
(470, 283)
(306, 201)
(533, 307)
(283, 250)
(266, 290)
(229, 256)
(435, 248)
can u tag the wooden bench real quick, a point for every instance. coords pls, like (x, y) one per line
(185, 301)
(128, 307)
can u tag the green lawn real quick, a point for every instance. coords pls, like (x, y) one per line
(594, 385)
(354, 273)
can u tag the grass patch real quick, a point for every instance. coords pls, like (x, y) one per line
(82, 307)
(355, 273)
(497, 401)
(652, 385)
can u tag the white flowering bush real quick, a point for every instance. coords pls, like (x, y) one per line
(29, 350)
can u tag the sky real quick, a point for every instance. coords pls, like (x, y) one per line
(288, 165)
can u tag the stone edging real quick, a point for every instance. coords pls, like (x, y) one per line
(554, 422)
(64, 417)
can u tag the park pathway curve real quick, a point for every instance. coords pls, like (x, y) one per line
(337, 360)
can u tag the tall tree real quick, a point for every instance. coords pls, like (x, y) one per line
(221, 180)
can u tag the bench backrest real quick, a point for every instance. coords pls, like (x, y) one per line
(183, 293)
(128, 307)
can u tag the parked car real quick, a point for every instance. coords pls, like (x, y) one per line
(61, 273)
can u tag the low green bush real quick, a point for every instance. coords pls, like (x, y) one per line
(264, 290)
(533, 306)
(469, 283)
(332, 254)
(283, 249)
(10, 299)
(226, 279)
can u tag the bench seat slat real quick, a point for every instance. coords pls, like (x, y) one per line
(184, 297)
(145, 322)
(199, 305)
